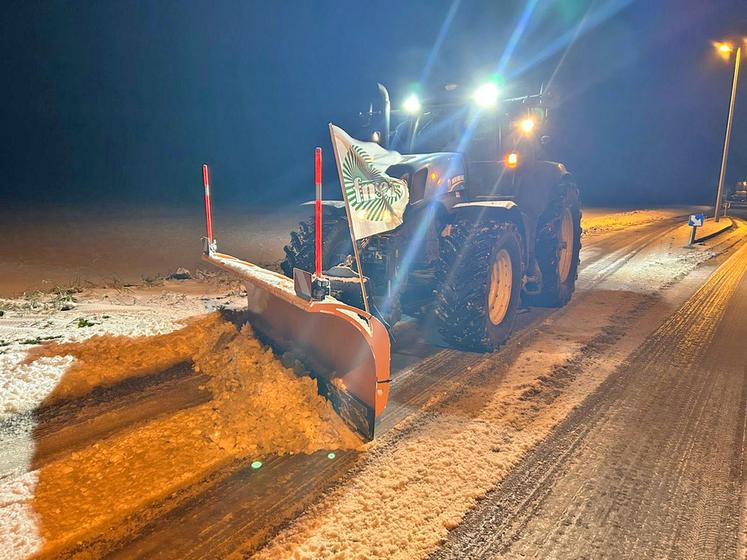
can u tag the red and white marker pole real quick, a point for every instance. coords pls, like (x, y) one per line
(318, 213)
(208, 216)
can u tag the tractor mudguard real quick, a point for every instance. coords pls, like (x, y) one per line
(505, 210)
(531, 198)
(536, 184)
(505, 204)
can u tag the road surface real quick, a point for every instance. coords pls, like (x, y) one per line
(611, 428)
(651, 465)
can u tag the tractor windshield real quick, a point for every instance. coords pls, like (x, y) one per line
(446, 128)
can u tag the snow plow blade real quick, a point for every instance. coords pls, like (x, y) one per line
(344, 348)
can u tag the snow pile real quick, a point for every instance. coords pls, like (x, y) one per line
(410, 495)
(258, 408)
(25, 383)
(593, 222)
(259, 405)
(106, 359)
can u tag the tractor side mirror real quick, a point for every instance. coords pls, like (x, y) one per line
(544, 140)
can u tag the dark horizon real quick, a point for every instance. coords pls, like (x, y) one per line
(122, 102)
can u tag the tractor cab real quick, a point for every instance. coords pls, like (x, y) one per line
(473, 147)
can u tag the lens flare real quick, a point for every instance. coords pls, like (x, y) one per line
(411, 105)
(486, 95)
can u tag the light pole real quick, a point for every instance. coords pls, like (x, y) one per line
(725, 50)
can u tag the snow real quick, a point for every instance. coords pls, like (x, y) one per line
(414, 488)
(258, 408)
(603, 221)
(25, 384)
(414, 484)
(19, 527)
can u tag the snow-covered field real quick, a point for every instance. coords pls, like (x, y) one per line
(125, 246)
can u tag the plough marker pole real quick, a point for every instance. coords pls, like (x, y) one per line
(208, 216)
(318, 212)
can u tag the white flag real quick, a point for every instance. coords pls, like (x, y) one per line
(376, 202)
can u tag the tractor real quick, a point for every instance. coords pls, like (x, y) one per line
(490, 226)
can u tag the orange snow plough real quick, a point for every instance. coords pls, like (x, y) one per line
(346, 349)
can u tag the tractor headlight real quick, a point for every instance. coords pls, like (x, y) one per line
(486, 95)
(527, 125)
(411, 105)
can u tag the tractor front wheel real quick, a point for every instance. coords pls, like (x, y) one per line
(479, 277)
(336, 244)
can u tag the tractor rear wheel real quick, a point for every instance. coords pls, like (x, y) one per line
(336, 244)
(479, 276)
(558, 247)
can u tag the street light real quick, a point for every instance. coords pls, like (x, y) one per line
(725, 50)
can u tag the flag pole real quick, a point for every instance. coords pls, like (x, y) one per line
(350, 224)
(360, 275)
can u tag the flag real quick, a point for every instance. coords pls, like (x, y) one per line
(376, 202)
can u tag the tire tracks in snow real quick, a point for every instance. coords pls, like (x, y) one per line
(650, 465)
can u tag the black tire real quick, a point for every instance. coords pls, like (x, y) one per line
(556, 289)
(467, 253)
(336, 244)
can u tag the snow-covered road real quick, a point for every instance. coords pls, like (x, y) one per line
(456, 426)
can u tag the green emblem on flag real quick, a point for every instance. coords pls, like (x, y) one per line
(370, 193)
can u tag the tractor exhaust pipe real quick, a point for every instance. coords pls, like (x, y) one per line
(387, 112)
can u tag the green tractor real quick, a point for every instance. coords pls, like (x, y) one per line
(489, 225)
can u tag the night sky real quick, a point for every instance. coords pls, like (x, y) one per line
(121, 102)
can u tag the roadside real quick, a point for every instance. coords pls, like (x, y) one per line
(711, 228)
(95, 428)
(128, 247)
